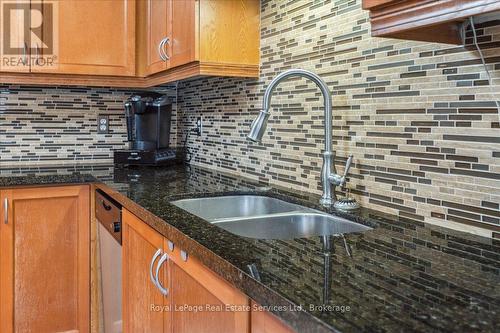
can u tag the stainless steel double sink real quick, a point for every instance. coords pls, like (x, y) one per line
(264, 217)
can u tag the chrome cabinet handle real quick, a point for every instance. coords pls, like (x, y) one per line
(163, 258)
(167, 41)
(151, 276)
(6, 211)
(161, 49)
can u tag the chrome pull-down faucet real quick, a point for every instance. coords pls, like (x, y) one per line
(328, 174)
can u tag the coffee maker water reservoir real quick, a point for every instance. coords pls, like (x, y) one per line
(148, 118)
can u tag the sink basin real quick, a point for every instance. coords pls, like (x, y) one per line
(217, 208)
(263, 217)
(291, 225)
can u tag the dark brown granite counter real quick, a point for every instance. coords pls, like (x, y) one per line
(402, 276)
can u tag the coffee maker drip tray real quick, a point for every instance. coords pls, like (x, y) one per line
(145, 157)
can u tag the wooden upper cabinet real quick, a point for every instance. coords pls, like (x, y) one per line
(132, 43)
(95, 37)
(425, 20)
(221, 36)
(14, 48)
(183, 45)
(152, 29)
(44, 260)
(229, 31)
(166, 28)
(140, 244)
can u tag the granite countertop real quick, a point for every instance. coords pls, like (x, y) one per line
(401, 276)
(30, 175)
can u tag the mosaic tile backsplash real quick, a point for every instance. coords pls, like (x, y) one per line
(420, 118)
(55, 125)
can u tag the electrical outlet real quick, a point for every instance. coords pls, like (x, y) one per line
(102, 124)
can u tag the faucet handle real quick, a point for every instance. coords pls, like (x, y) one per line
(348, 165)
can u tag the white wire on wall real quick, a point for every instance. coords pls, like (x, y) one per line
(490, 81)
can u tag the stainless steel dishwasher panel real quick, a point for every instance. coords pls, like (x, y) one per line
(109, 267)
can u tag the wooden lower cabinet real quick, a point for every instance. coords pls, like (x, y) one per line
(45, 273)
(196, 297)
(142, 301)
(44, 259)
(265, 322)
(216, 306)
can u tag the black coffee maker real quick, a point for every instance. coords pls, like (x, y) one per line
(148, 118)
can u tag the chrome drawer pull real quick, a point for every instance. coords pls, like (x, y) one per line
(164, 258)
(6, 210)
(156, 255)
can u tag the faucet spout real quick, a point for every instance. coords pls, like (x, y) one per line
(258, 126)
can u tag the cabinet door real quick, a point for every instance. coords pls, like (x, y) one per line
(44, 260)
(152, 29)
(143, 304)
(182, 48)
(95, 37)
(229, 32)
(14, 48)
(207, 294)
(265, 322)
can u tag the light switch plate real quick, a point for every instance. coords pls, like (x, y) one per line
(102, 124)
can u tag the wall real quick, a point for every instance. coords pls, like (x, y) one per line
(420, 118)
(58, 125)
